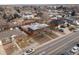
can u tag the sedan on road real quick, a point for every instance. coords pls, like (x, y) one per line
(75, 49)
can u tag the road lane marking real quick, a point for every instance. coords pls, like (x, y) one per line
(56, 39)
(52, 49)
(54, 43)
(63, 45)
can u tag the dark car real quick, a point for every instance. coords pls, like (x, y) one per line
(77, 45)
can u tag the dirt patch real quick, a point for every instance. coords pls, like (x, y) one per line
(41, 38)
(10, 48)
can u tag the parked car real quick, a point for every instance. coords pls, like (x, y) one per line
(29, 51)
(61, 30)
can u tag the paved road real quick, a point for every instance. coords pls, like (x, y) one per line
(58, 46)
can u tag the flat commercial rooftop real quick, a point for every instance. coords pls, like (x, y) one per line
(35, 26)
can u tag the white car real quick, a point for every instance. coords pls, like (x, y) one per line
(75, 49)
